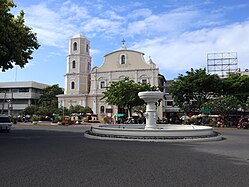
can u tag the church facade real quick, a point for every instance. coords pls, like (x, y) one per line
(85, 85)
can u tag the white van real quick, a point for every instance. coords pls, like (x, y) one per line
(5, 123)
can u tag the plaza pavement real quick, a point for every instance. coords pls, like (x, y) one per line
(54, 155)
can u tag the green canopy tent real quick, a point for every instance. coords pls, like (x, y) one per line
(119, 115)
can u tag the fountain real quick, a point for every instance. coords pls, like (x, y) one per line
(150, 98)
(151, 131)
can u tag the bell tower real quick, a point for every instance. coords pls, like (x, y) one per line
(77, 77)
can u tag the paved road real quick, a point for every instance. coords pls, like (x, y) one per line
(61, 156)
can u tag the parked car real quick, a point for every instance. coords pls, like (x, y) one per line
(243, 122)
(5, 123)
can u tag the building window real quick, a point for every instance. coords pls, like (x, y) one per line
(14, 90)
(102, 109)
(2, 90)
(73, 64)
(102, 84)
(122, 59)
(72, 85)
(87, 48)
(169, 103)
(75, 46)
(24, 90)
(144, 81)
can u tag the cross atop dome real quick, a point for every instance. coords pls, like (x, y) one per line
(123, 44)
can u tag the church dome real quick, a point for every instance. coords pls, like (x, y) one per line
(78, 36)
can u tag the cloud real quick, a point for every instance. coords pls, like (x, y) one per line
(177, 38)
(190, 49)
(112, 15)
(55, 24)
(104, 26)
(51, 28)
(140, 13)
(172, 22)
(52, 53)
(73, 12)
(94, 51)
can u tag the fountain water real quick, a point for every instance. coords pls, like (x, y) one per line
(152, 131)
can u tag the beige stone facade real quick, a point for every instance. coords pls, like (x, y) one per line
(85, 86)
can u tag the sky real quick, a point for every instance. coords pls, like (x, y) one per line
(176, 34)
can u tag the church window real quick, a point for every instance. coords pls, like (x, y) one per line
(87, 48)
(102, 84)
(169, 103)
(75, 46)
(122, 59)
(72, 85)
(73, 64)
(102, 109)
(144, 80)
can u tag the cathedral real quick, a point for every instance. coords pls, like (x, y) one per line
(85, 85)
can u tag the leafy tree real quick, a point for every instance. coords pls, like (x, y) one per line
(80, 109)
(17, 41)
(141, 109)
(223, 105)
(30, 110)
(238, 86)
(43, 111)
(47, 104)
(63, 111)
(124, 93)
(191, 91)
(48, 98)
(247, 104)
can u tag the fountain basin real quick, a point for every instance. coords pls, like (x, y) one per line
(163, 133)
(152, 131)
(150, 96)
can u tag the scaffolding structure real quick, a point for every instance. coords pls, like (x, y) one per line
(222, 63)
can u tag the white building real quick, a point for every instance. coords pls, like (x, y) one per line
(245, 72)
(16, 96)
(85, 85)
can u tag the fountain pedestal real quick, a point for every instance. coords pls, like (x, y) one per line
(150, 97)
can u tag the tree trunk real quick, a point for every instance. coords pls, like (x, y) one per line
(129, 111)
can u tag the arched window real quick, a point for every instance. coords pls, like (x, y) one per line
(72, 85)
(122, 60)
(102, 84)
(87, 48)
(144, 79)
(102, 109)
(73, 64)
(75, 46)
